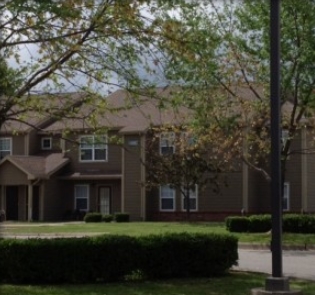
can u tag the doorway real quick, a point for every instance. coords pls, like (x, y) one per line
(104, 199)
(12, 202)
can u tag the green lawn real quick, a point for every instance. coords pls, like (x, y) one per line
(143, 228)
(233, 284)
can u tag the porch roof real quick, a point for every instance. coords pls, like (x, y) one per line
(89, 176)
(37, 167)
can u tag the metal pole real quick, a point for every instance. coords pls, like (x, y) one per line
(276, 195)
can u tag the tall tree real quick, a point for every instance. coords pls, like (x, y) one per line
(93, 46)
(226, 74)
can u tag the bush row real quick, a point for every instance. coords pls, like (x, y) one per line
(99, 217)
(112, 258)
(291, 223)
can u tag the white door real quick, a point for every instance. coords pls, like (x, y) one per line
(104, 200)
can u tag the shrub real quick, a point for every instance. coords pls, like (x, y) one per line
(93, 217)
(107, 217)
(111, 258)
(237, 223)
(298, 223)
(259, 223)
(187, 255)
(121, 217)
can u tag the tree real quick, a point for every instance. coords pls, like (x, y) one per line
(226, 76)
(93, 46)
(175, 158)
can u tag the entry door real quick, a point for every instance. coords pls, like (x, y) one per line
(12, 200)
(104, 199)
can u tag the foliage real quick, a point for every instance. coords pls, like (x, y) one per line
(292, 223)
(226, 76)
(93, 217)
(107, 217)
(259, 223)
(237, 223)
(92, 47)
(121, 217)
(176, 157)
(187, 255)
(110, 258)
(299, 223)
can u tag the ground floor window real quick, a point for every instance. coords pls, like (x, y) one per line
(167, 198)
(193, 199)
(81, 197)
(286, 196)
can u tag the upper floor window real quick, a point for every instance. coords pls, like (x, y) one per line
(167, 198)
(167, 143)
(5, 147)
(46, 143)
(193, 199)
(93, 148)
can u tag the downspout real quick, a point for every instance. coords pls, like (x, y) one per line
(143, 178)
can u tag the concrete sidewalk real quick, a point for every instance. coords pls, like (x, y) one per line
(297, 264)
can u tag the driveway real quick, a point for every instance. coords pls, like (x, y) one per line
(298, 264)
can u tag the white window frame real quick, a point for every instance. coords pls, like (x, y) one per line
(6, 150)
(167, 140)
(93, 148)
(50, 143)
(188, 139)
(192, 195)
(87, 197)
(286, 196)
(161, 197)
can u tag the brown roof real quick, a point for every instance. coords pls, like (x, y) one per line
(127, 113)
(24, 117)
(38, 167)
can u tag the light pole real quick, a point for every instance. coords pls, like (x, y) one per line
(276, 284)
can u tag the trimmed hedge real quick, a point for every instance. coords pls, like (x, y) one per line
(299, 223)
(107, 218)
(111, 258)
(237, 224)
(187, 255)
(121, 217)
(93, 217)
(291, 223)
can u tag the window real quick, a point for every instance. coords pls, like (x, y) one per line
(193, 200)
(46, 143)
(286, 196)
(5, 147)
(167, 198)
(81, 197)
(167, 143)
(93, 148)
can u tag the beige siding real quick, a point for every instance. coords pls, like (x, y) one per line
(294, 174)
(10, 175)
(228, 198)
(132, 178)
(112, 165)
(18, 145)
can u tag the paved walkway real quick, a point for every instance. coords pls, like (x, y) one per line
(297, 264)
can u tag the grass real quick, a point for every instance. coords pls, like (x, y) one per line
(144, 228)
(232, 284)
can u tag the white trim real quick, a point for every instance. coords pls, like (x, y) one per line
(50, 143)
(87, 197)
(196, 196)
(286, 196)
(93, 149)
(170, 198)
(10, 140)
